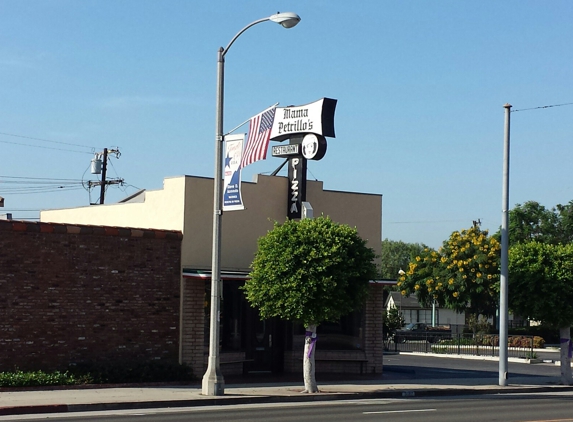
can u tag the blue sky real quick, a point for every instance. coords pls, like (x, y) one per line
(420, 87)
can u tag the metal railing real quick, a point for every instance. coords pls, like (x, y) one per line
(463, 344)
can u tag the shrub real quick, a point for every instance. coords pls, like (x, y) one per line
(100, 373)
(40, 378)
(120, 372)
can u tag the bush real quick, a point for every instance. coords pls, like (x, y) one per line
(119, 372)
(40, 378)
(100, 373)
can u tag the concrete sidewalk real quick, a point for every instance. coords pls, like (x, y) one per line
(114, 398)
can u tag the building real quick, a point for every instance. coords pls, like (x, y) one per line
(414, 311)
(248, 344)
(77, 294)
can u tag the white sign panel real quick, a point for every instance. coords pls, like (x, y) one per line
(317, 117)
(232, 200)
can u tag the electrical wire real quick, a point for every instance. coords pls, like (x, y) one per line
(46, 140)
(537, 108)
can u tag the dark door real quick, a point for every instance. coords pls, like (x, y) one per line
(265, 344)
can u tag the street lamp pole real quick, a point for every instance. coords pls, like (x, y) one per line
(213, 382)
(503, 281)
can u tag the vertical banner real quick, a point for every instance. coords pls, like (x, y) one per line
(297, 186)
(232, 200)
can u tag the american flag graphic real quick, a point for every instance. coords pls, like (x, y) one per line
(259, 134)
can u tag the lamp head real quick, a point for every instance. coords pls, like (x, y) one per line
(286, 19)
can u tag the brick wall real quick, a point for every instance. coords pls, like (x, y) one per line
(373, 336)
(193, 326)
(87, 293)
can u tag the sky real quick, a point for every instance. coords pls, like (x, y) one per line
(420, 86)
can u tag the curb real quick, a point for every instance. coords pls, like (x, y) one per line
(326, 396)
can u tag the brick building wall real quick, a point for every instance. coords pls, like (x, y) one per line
(192, 346)
(373, 335)
(72, 293)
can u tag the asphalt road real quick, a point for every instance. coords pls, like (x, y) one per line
(425, 367)
(506, 408)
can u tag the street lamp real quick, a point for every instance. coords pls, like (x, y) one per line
(213, 382)
(503, 281)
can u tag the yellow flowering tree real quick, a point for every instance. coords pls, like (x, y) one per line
(462, 275)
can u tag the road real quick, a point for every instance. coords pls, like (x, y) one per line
(426, 367)
(507, 408)
(403, 368)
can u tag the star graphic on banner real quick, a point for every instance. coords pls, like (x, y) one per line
(227, 161)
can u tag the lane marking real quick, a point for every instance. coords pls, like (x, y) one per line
(399, 411)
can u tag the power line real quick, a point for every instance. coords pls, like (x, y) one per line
(537, 108)
(43, 147)
(38, 178)
(45, 140)
(47, 189)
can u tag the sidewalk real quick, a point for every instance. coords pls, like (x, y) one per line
(389, 385)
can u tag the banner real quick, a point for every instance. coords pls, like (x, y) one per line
(232, 200)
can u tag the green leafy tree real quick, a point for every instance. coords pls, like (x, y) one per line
(462, 275)
(396, 255)
(540, 286)
(534, 222)
(393, 320)
(310, 271)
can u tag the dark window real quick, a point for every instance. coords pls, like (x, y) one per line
(343, 335)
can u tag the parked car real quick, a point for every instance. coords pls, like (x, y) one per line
(421, 331)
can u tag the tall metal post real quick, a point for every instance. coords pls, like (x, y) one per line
(213, 381)
(503, 306)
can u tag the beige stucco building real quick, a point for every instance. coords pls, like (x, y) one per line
(186, 204)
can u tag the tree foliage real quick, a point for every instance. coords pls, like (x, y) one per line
(396, 255)
(540, 282)
(533, 222)
(393, 320)
(310, 271)
(462, 275)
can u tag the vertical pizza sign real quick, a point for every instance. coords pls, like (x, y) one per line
(306, 127)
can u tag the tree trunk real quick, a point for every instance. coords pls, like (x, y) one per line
(308, 360)
(565, 355)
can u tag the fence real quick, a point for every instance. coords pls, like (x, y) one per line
(464, 344)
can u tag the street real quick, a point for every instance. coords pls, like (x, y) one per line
(421, 366)
(506, 408)
(403, 369)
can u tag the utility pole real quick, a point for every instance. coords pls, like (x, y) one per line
(503, 294)
(99, 166)
(103, 172)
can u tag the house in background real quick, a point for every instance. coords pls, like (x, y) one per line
(413, 311)
(185, 204)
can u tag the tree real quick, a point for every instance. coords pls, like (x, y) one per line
(396, 255)
(462, 275)
(540, 286)
(532, 221)
(393, 320)
(310, 271)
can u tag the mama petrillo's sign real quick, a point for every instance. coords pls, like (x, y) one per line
(306, 127)
(317, 118)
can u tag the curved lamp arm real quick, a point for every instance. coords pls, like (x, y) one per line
(286, 19)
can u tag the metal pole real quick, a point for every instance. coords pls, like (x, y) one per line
(213, 382)
(503, 306)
